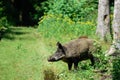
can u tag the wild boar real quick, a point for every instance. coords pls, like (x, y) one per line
(73, 52)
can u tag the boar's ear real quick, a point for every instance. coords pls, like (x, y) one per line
(59, 45)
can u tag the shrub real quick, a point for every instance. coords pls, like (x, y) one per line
(3, 18)
(74, 9)
(116, 69)
(56, 26)
(3, 23)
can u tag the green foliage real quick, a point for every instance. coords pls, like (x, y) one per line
(74, 9)
(116, 69)
(1, 8)
(3, 18)
(38, 8)
(61, 28)
(55, 26)
(3, 23)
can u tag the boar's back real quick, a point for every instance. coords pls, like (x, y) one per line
(77, 47)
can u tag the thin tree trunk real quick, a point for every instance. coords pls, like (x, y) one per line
(103, 27)
(115, 47)
(116, 21)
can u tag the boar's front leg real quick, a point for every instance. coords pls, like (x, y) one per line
(69, 65)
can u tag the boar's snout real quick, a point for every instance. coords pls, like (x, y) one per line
(55, 58)
(51, 59)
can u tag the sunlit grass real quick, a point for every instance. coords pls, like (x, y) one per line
(20, 59)
(24, 53)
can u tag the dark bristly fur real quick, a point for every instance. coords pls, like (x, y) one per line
(74, 51)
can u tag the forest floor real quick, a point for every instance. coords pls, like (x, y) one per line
(23, 56)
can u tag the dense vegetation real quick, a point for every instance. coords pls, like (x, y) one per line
(74, 9)
(29, 11)
(66, 22)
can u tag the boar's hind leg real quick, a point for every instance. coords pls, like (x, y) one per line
(76, 65)
(91, 59)
(69, 66)
(76, 60)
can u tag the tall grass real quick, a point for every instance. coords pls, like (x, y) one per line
(55, 26)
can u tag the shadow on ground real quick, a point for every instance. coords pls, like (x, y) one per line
(14, 33)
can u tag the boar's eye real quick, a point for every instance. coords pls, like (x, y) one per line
(61, 50)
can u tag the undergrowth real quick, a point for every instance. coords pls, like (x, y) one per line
(58, 27)
(54, 28)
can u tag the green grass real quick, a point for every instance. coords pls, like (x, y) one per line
(24, 53)
(21, 55)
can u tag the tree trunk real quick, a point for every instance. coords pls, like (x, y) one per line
(103, 27)
(115, 47)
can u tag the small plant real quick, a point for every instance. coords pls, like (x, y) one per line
(49, 75)
(116, 69)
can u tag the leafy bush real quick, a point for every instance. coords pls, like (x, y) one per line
(55, 26)
(74, 9)
(3, 18)
(3, 23)
(116, 69)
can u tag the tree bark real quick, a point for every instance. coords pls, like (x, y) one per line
(115, 47)
(103, 27)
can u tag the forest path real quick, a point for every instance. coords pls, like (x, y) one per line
(22, 54)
